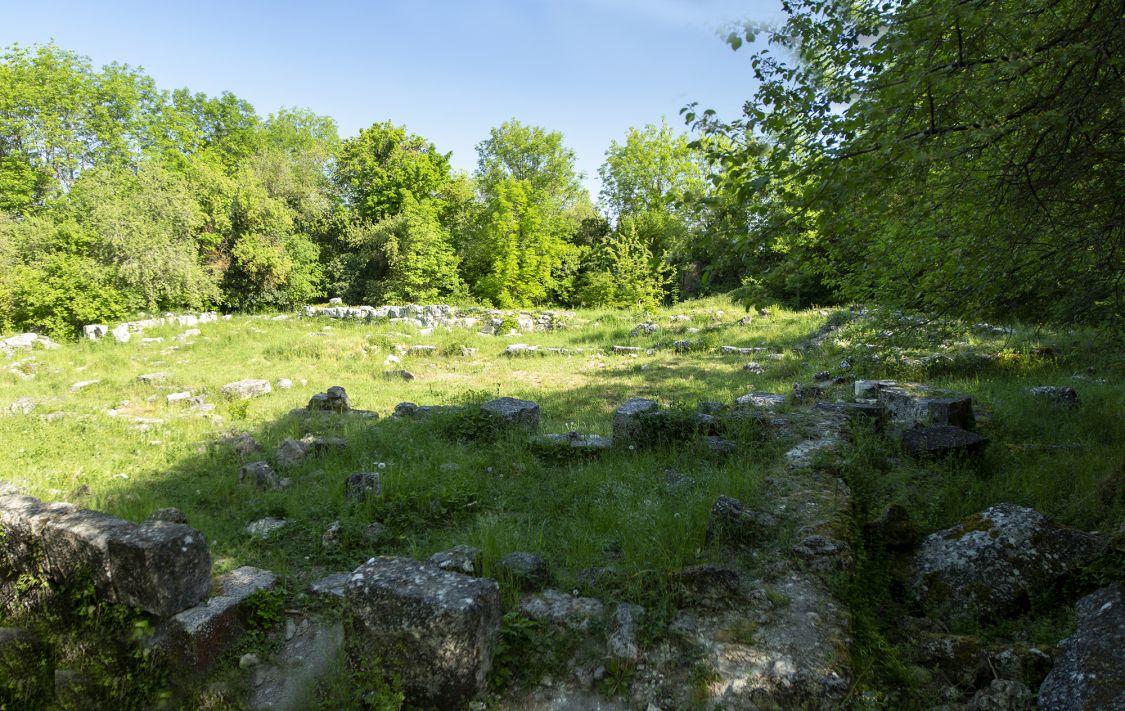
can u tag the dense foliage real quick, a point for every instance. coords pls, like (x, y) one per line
(956, 158)
(117, 197)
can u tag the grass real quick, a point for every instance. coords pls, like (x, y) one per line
(119, 447)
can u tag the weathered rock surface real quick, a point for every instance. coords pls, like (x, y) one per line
(1059, 396)
(989, 562)
(1089, 674)
(246, 389)
(94, 331)
(160, 567)
(260, 474)
(868, 389)
(910, 402)
(791, 659)
(292, 452)
(528, 570)
(739, 350)
(264, 527)
(732, 522)
(621, 642)
(168, 515)
(1003, 695)
(865, 412)
(941, 441)
(412, 410)
(434, 628)
(23, 518)
(331, 585)
(515, 413)
(196, 638)
(79, 542)
(563, 609)
(288, 682)
(767, 401)
(360, 486)
(22, 406)
(458, 559)
(572, 441)
(334, 400)
(628, 419)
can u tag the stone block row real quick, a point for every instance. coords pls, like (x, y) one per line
(158, 566)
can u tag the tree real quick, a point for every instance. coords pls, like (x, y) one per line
(377, 169)
(622, 272)
(655, 169)
(959, 158)
(531, 154)
(421, 266)
(58, 116)
(521, 251)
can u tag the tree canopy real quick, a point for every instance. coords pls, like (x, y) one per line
(957, 158)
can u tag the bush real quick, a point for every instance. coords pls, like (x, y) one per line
(62, 292)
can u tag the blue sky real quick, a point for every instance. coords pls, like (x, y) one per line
(448, 70)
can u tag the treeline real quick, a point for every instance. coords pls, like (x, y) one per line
(118, 197)
(957, 159)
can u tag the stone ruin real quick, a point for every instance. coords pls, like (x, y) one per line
(123, 332)
(436, 623)
(429, 316)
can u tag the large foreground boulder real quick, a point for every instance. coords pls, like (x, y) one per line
(1090, 672)
(989, 562)
(436, 629)
(160, 567)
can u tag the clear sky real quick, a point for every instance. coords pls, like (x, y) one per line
(448, 70)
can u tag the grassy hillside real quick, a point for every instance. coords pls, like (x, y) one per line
(117, 445)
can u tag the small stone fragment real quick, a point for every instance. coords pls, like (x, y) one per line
(246, 389)
(264, 527)
(458, 559)
(260, 474)
(363, 485)
(528, 570)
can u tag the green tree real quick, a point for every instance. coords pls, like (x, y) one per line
(957, 158)
(58, 116)
(521, 251)
(421, 266)
(377, 169)
(622, 273)
(144, 228)
(533, 155)
(654, 170)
